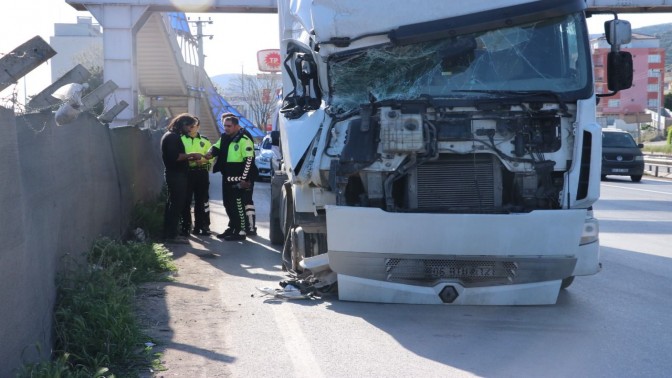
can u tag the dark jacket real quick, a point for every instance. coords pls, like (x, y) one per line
(234, 171)
(171, 148)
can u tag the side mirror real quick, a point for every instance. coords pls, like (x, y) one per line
(618, 32)
(275, 138)
(619, 70)
(619, 63)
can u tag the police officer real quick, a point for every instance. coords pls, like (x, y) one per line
(198, 183)
(250, 212)
(235, 160)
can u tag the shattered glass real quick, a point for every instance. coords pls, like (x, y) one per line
(548, 55)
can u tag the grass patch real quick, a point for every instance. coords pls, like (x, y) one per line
(660, 149)
(142, 262)
(96, 330)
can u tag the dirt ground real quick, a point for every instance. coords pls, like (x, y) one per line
(187, 318)
(177, 320)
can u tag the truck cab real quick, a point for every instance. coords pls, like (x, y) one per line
(447, 154)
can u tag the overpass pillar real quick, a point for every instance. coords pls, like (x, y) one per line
(120, 24)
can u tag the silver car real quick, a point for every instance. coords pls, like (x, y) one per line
(267, 158)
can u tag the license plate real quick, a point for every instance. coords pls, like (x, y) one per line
(461, 271)
(619, 170)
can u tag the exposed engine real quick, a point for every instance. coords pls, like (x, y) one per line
(417, 159)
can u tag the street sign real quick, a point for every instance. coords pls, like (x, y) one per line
(269, 60)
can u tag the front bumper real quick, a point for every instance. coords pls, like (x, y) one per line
(631, 168)
(485, 258)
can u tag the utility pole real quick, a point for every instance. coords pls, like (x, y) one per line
(201, 62)
(658, 115)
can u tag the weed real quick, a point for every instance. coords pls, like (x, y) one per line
(144, 262)
(96, 331)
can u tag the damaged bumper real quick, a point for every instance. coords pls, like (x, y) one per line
(484, 259)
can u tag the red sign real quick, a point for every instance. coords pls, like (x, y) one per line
(269, 60)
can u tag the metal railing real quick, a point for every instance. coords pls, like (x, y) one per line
(658, 165)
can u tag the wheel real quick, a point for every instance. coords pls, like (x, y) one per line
(566, 282)
(636, 178)
(276, 233)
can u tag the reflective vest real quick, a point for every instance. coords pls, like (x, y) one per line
(239, 163)
(199, 144)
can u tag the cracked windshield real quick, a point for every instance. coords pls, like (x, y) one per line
(539, 56)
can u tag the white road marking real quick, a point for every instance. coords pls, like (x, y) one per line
(641, 190)
(303, 360)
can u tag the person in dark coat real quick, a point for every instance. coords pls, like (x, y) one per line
(176, 163)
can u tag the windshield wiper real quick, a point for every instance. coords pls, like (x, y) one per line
(521, 95)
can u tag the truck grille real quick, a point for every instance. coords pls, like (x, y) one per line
(459, 182)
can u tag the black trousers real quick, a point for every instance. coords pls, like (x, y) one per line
(198, 189)
(175, 201)
(250, 212)
(234, 206)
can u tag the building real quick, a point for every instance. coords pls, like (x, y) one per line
(647, 85)
(80, 43)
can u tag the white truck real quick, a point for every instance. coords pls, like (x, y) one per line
(440, 151)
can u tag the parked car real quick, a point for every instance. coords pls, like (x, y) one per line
(267, 158)
(621, 155)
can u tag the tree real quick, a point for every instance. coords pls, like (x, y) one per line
(259, 93)
(668, 101)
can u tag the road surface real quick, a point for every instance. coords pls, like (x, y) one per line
(212, 322)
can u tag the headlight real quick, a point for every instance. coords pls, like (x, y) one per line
(591, 229)
(639, 158)
(265, 159)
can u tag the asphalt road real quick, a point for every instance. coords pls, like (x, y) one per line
(617, 323)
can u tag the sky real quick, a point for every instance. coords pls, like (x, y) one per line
(233, 48)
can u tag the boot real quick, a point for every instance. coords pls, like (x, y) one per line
(251, 227)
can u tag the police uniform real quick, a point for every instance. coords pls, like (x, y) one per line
(248, 201)
(235, 160)
(198, 187)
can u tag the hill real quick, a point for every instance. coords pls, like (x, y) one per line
(664, 33)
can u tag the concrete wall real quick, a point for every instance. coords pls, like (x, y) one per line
(61, 187)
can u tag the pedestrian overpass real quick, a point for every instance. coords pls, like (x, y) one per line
(149, 51)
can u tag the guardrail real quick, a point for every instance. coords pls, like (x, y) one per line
(658, 165)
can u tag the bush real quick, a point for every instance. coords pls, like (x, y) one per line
(669, 136)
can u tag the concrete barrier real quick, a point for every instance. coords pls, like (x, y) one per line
(61, 187)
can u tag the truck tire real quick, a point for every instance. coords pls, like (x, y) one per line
(276, 234)
(636, 178)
